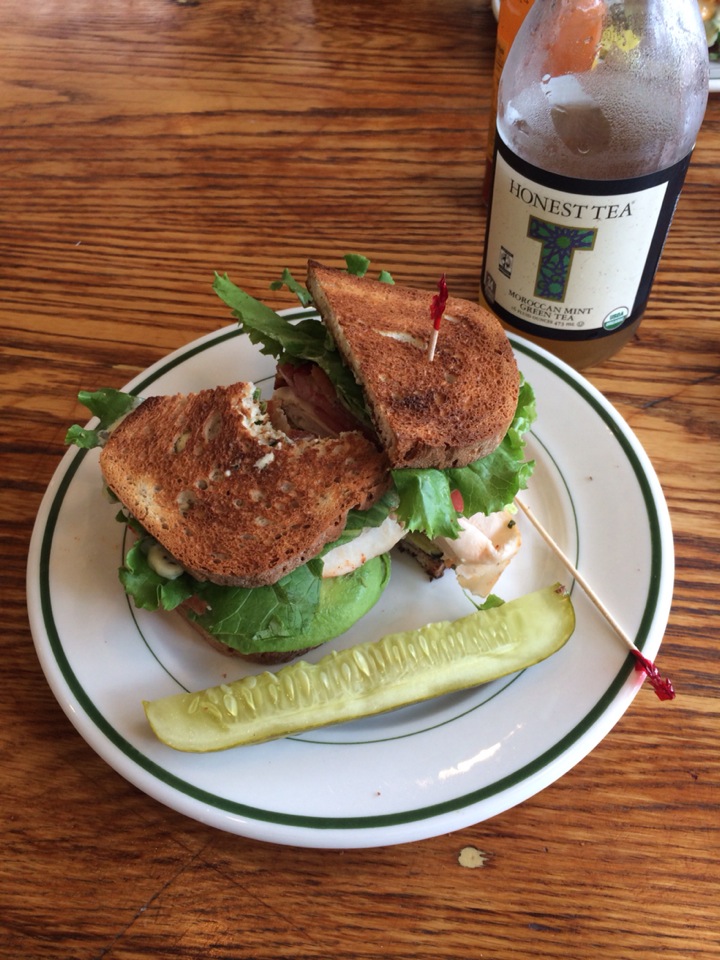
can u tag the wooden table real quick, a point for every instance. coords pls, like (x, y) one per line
(146, 144)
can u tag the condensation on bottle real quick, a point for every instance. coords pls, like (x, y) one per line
(511, 14)
(599, 106)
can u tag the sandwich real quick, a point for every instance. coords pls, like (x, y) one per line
(453, 428)
(267, 523)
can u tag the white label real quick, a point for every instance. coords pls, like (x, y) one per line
(566, 261)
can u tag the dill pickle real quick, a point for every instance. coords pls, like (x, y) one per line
(369, 678)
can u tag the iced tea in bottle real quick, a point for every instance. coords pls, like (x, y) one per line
(599, 105)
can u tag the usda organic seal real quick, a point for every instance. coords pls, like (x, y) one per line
(615, 318)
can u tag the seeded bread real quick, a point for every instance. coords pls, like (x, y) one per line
(234, 500)
(445, 413)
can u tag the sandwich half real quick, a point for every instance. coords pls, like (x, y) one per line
(231, 498)
(232, 516)
(440, 414)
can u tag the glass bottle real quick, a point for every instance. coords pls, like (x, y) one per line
(599, 105)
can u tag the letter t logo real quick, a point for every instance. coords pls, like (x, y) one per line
(557, 248)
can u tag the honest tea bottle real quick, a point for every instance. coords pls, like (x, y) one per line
(598, 109)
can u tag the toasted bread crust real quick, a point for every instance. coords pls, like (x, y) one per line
(445, 413)
(234, 500)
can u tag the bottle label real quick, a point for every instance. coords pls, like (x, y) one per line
(573, 259)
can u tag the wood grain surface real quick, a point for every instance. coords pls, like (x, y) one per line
(145, 144)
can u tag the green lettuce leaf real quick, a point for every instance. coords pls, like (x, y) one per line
(108, 406)
(263, 614)
(266, 610)
(149, 590)
(83, 438)
(425, 504)
(289, 281)
(486, 485)
(305, 340)
(493, 482)
(358, 265)
(301, 610)
(492, 600)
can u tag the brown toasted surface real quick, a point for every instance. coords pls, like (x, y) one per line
(232, 499)
(444, 413)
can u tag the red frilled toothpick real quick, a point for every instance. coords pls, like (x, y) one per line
(662, 686)
(437, 308)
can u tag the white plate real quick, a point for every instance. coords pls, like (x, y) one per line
(420, 771)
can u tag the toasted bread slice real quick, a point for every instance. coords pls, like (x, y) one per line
(234, 500)
(445, 413)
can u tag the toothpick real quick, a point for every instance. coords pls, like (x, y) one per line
(575, 573)
(662, 687)
(437, 306)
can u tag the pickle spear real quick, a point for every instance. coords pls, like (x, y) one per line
(369, 678)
